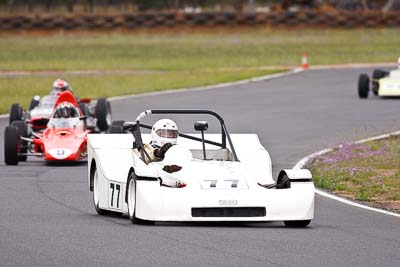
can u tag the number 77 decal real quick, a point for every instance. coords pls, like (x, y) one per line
(114, 193)
(213, 183)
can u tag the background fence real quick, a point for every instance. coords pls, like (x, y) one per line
(133, 21)
(93, 6)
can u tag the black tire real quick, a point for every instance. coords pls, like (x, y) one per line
(115, 129)
(297, 224)
(379, 74)
(103, 114)
(120, 123)
(132, 182)
(15, 113)
(22, 130)
(11, 145)
(363, 86)
(34, 103)
(84, 108)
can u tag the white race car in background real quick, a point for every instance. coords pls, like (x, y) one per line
(223, 177)
(384, 83)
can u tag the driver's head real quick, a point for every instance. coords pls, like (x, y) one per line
(60, 86)
(164, 131)
(398, 62)
(65, 110)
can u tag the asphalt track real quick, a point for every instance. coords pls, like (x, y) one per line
(47, 216)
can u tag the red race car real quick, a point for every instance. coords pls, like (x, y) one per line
(63, 137)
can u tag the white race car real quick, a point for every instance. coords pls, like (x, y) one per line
(384, 83)
(223, 177)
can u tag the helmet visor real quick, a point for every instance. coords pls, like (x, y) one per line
(66, 112)
(167, 133)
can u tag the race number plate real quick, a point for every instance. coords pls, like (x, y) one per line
(114, 195)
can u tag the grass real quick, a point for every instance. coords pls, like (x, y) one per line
(21, 89)
(197, 51)
(366, 172)
(174, 59)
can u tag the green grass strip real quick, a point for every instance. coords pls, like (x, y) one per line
(197, 51)
(21, 89)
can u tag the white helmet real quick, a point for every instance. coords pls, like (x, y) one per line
(398, 62)
(61, 86)
(164, 131)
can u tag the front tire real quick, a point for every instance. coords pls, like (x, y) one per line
(363, 86)
(96, 190)
(297, 224)
(22, 130)
(103, 114)
(15, 113)
(131, 200)
(11, 145)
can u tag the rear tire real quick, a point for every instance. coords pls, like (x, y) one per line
(120, 123)
(379, 74)
(363, 86)
(297, 224)
(15, 113)
(116, 129)
(11, 145)
(84, 108)
(22, 130)
(103, 114)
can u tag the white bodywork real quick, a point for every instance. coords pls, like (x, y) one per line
(217, 182)
(45, 107)
(390, 85)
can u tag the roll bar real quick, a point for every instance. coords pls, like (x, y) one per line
(224, 130)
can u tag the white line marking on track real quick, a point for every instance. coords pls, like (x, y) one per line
(301, 163)
(353, 66)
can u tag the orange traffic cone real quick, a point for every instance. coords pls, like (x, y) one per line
(304, 61)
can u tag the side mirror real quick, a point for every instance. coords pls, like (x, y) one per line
(85, 100)
(201, 126)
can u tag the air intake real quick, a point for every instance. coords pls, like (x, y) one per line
(229, 212)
